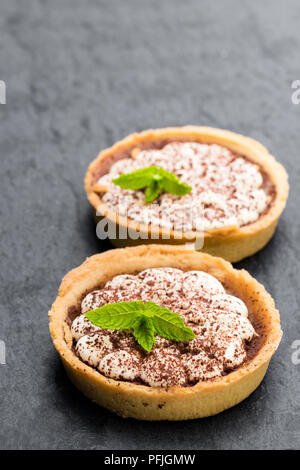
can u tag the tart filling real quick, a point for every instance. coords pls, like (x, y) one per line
(219, 320)
(228, 189)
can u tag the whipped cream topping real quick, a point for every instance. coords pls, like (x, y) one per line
(161, 369)
(219, 320)
(120, 365)
(227, 188)
(92, 347)
(82, 326)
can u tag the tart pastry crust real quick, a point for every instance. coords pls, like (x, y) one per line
(231, 243)
(177, 403)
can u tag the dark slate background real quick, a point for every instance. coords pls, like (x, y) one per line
(79, 76)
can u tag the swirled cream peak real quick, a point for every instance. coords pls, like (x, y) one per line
(219, 320)
(227, 188)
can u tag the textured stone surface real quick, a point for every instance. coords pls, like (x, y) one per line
(79, 76)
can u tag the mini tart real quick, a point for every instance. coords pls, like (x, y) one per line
(176, 403)
(231, 243)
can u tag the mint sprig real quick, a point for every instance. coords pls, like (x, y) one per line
(155, 180)
(145, 320)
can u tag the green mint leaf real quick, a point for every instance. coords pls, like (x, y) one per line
(116, 316)
(153, 191)
(143, 331)
(173, 185)
(168, 324)
(138, 179)
(155, 180)
(145, 320)
(176, 188)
